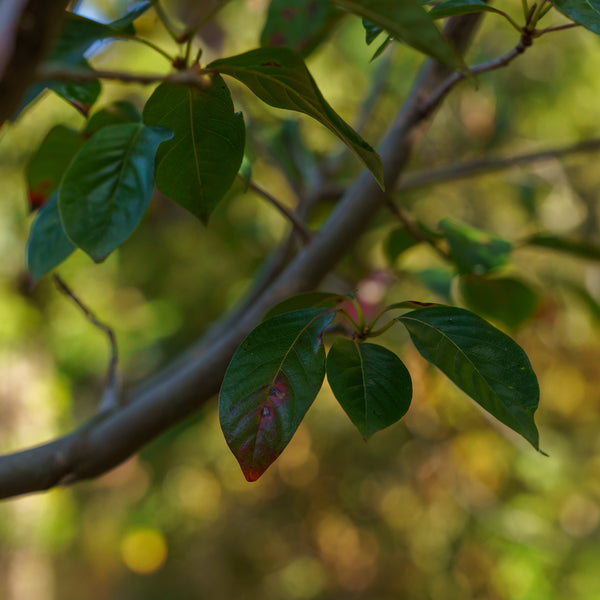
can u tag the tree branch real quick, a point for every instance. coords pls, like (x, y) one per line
(453, 172)
(195, 377)
(27, 30)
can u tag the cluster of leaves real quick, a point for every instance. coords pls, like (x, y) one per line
(278, 370)
(94, 186)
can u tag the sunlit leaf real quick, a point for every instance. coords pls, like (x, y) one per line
(197, 167)
(504, 299)
(584, 12)
(481, 360)
(474, 250)
(106, 189)
(408, 21)
(49, 162)
(298, 24)
(580, 248)
(371, 383)
(269, 385)
(48, 244)
(279, 77)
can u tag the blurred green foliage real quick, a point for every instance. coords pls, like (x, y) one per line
(443, 505)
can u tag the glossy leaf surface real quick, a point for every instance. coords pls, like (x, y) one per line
(49, 162)
(48, 244)
(504, 299)
(197, 167)
(481, 360)
(584, 12)
(298, 24)
(279, 77)
(474, 250)
(113, 114)
(371, 383)
(408, 21)
(269, 385)
(305, 300)
(106, 189)
(575, 247)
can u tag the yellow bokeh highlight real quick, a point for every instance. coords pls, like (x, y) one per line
(144, 550)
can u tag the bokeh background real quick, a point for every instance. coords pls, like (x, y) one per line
(444, 505)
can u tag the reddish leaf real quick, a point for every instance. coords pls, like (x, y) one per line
(271, 382)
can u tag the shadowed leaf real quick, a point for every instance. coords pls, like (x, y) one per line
(370, 382)
(197, 167)
(584, 12)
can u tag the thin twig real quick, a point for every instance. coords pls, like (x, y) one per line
(191, 78)
(135, 38)
(411, 226)
(453, 172)
(300, 228)
(110, 398)
(541, 32)
(164, 19)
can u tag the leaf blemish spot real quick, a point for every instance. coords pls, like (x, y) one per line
(266, 411)
(270, 63)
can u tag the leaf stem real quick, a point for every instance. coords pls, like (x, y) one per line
(110, 398)
(299, 227)
(350, 320)
(155, 47)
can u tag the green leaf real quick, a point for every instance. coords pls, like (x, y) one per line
(505, 299)
(452, 8)
(279, 77)
(370, 382)
(116, 113)
(474, 250)
(48, 244)
(439, 281)
(408, 21)
(269, 385)
(49, 162)
(372, 31)
(298, 24)
(305, 300)
(197, 167)
(584, 12)
(125, 23)
(245, 172)
(481, 360)
(81, 95)
(399, 241)
(579, 248)
(106, 189)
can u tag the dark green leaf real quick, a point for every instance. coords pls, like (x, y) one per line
(371, 31)
(279, 77)
(269, 385)
(81, 95)
(400, 241)
(584, 12)
(452, 8)
(125, 23)
(388, 40)
(370, 382)
(197, 167)
(114, 114)
(298, 24)
(481, 360)
(474, 250)
(570, 246)
(49, 162)
(47, 245)
(305, 300)
(408, 21)
(505, 299)
(106, 189)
